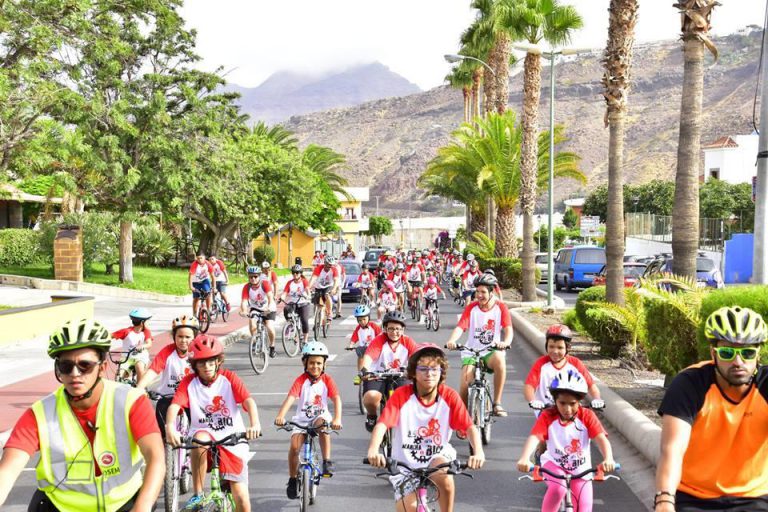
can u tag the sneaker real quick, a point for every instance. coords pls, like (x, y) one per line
(194, 502)
(292, 489)
(356, 380)
(370, 422)
(272, 352)
(327, 468)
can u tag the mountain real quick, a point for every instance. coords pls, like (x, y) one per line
(285, 94)
(388, 142)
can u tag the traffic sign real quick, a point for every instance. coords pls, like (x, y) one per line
(590, 226)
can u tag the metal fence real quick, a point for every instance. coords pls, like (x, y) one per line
(712, 232)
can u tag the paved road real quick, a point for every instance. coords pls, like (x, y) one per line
(495, 487)
(568, 297)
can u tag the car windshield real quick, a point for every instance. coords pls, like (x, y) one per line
(351, 267)
(590, 256)
(372, 255)
(704, 265)
(633, 270)
(541, 258)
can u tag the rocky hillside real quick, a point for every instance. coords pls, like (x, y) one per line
(286, 93)
(388, 142)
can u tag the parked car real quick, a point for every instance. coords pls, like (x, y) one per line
(541, 264)
(353, 270)
(372, 254)
(707, 273)
(632, 273)
(578, 266)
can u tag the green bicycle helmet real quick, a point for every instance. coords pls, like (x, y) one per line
(77, 334)
(737, 325)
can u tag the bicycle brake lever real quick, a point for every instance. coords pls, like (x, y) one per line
(525, 477)
(609, 477)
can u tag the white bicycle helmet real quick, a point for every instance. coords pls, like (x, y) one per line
(571, 382)
(314, 348)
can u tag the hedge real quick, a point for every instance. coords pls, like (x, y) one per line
(753, 297)
(19, 247)
(509, 271)
(593, 294)
(671, 331)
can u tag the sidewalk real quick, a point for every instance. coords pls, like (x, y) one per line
(26, 370)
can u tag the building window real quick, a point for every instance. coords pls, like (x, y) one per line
(714, 172)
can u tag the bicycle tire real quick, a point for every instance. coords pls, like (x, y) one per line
(360, 393)
(485, 431)
(224, 313)
(214, 312)
(211, 506)
(435, 319)
(412, 307)
(316, 324)
(257, 354)
(182, 457)
(204, 319)
(306, 489)
(428, 320)
(291, 339)
(171, 482)
(325, 328)
(418, 309)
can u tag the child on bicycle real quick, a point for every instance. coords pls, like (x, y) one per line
(430, 293)
(387, 300)
(259, 296)
(296, 298)
(313, 389)
(362, 335)
(212, 395)
(221, 278)
(171, 365)
(136, 338)
(567, 429)
(365, 282)
(558, 345)
(424, 417)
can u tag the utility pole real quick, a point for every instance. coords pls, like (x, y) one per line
(760, 255)
(377, 205)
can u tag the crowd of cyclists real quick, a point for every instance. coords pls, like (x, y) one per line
(102, 444)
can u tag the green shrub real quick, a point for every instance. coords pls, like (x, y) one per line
(571, 320)
(19, 247)
(609, 330)
(595, 294)
(264, 253)
(509, 271)
(152, 244)
(752, 297)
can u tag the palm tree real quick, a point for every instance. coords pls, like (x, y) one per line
(695, 15)
(461, 78)
(277, 134)
(476, 43)
(325, 162)
(490, 153)
(616, 80)
(533, 21)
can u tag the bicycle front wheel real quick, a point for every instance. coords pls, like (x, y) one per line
(485, 430)
(435, 319)
(171, 483)
(317, 322)
(257, 353)
(306, 489)
(291, 340)
(418, 309)
(224, 312)
(204, 319)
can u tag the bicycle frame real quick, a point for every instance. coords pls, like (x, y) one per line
(309, 468)
(479, 395)
(131, 377)
(389, 378)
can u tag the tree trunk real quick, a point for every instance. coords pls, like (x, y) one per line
(529, 168)
(685, 212)
(126, 251)
(489, 93)
(477, 221)
(614, 233)
(467, 100)
(477, 76)
(501, 67)
(506, 240)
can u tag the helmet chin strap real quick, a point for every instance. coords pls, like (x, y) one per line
(85, 395)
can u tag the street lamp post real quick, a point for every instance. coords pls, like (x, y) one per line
(539, 217)
(536, 50)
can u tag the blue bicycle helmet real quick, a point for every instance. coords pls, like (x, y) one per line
(142, 314)
(362, 310)
(253, 270)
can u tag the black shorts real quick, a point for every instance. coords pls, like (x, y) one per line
(161, 410)
(271, 315)
(415, 284)
(381, 386)
(319, 292)
(687, 503)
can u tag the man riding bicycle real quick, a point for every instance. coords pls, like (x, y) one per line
(490, 327)
(296, 298)
(324, 282)
(714, 435)
(259, 297)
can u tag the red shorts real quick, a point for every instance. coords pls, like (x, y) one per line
(231, 467)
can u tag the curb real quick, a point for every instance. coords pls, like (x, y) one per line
(557, 302)
(641, 432)
(97, 289)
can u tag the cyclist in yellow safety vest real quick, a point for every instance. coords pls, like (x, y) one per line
(93, 435)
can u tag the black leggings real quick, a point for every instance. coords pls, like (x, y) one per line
(303, 312)
(41, 503)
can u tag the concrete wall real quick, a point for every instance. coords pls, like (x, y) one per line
(40, 321)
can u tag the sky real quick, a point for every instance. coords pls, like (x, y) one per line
(252, 39)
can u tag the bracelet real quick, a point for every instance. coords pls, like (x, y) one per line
(656, 502)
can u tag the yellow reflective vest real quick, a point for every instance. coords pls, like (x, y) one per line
(66, 471)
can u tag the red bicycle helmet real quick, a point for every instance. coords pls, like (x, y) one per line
(205, 346)
(559, 331)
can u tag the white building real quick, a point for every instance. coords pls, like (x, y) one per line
(731, 159)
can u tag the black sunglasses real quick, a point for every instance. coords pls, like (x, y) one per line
(65, 367)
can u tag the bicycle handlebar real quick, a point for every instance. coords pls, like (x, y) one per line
(476, 351)
(290, 426)
(230, 440)
(537, 470)
(385, 375)
(455, 467)
(550, 404)
(127, 354)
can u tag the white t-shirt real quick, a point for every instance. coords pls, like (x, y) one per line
(567, 444)
(543, 372)
(171, 368)
(484, 327)
(295, 291)
(312, 398)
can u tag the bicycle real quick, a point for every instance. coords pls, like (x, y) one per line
(390, 378)
(360, 391)
(479, 395)
(220, 498)
(203, 315)
(432, 316)
(414, 302)
(320, 324)
(292, 335)
(257, 346)
(567, 504)
(427, 492)
(178, 470)
(219, 307)
(309, 461)
(124, 375)
(365, 299)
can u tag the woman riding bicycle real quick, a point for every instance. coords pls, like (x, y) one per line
(258, 297)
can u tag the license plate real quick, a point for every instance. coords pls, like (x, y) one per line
(345, 290)
(589, 276)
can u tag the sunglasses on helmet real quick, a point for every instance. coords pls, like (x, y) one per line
(65, 366)
(730, 353)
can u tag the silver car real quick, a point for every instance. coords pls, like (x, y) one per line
(541, 264)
